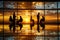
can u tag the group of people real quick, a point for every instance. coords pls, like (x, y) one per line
(40, 22)
(13, 22)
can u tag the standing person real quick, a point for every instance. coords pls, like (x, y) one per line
(38, 16)
(32, 23)
(20, 22)
(11, 22)
(14, 17)
(42, 22)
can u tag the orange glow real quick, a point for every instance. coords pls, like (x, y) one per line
(26, 20)
(26, 16)
(27, 27)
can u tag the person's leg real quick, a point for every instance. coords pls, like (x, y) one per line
(38, 29)
(10, 27)
(31, 27)
(20, 26)
(43, 27)
(14, 29)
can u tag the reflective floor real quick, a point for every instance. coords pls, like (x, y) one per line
(50, 33)
(30, 38)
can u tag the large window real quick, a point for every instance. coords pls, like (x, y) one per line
(29, 10)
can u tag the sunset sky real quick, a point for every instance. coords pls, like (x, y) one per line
(50, 15)
(25, 5)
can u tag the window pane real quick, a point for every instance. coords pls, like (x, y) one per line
(50, 5)
(59, 21)
(37, 5)
(1, 24)
(1, 4)
(51, 22)
(10, 4)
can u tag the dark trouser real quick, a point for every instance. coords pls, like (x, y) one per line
(20, 26)
(14, 29)
(38, 28)
(31, 27)
(10, 27)
(43, 26)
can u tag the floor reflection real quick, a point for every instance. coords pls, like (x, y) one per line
(50, 33)
(29, 38)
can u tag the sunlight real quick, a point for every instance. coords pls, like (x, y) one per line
(26, 20)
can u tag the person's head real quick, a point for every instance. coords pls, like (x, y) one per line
(10, 16)
(42, 16)
(20, 17)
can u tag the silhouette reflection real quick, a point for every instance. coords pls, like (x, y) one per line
(13, 22)
(14, 17)
(38, 22)
(32, 23)
(42, 22)
(19, 22)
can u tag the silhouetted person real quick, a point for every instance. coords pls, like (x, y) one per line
(19, 22)
(38, 22)
(11, 22)
(42, 22)
(32, 23)
(14, 22)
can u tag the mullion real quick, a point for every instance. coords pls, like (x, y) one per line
(3, 20)
(28, 9)
(17, 20)
(31, 0)
(44, 16)
(57, 22)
